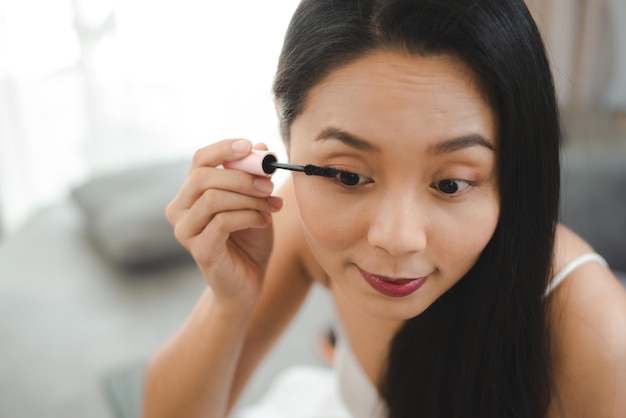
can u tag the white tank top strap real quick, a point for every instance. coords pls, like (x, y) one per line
(571, 266)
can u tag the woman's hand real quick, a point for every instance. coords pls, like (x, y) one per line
(223, 218)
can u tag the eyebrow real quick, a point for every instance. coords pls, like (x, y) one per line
(459, 143)
(443, 147)
(347, 139)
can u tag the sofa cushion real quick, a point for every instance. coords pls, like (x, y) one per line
(594, 202)
(125, 214)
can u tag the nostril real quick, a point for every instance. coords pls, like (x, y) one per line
(397, 237)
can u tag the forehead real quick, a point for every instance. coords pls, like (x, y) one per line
(435, 74)
(436, 95)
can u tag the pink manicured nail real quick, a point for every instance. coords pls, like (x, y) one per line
(241, 146)
(275, 201)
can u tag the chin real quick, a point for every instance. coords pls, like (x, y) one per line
(386, 308)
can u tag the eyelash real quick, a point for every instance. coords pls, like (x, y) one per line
(438, 185)
(362, 180)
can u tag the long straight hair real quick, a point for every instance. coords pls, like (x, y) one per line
(482, 349)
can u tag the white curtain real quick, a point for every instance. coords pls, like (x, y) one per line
(586, 41)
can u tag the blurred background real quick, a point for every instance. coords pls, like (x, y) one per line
(89, 86)
(102, 105)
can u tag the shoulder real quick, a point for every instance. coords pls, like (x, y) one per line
(588, 327)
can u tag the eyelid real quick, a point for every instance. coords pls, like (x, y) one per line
(469, 185)
(341, 171)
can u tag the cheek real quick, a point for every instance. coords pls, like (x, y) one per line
(468, 234)
(455, 238)
(327, 226)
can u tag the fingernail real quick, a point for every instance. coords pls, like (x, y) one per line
(241, 146)
(263, 185)
(275, 201)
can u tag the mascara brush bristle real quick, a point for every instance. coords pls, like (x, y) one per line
(309, 169)
(313, 170)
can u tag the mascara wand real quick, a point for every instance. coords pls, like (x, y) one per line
(309, 169)
(265, 163)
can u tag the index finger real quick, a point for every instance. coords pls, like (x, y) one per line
(220, 152)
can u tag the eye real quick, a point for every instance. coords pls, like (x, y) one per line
(451, 187)
(349, 179)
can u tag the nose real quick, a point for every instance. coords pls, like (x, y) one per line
(398, 225)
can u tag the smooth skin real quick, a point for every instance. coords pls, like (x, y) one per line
(422, 201)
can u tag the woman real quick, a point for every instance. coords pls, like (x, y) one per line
(437, 238)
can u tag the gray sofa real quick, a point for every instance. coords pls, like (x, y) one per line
(594, 201)
(593, 196)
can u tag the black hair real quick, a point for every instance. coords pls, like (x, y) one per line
(482, 349)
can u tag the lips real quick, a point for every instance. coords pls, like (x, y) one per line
(393, 287)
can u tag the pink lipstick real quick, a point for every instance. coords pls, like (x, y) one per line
(396, 288)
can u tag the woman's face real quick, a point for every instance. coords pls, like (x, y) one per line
(422, 204)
